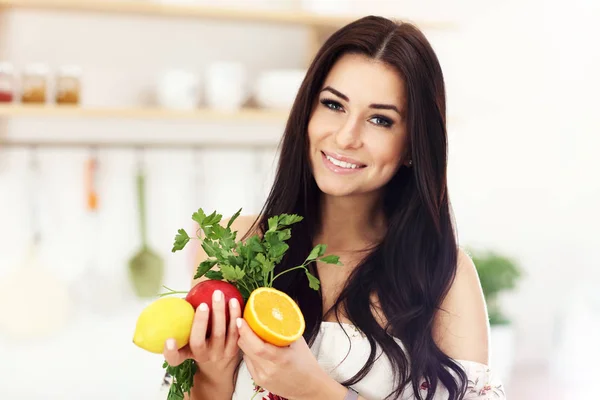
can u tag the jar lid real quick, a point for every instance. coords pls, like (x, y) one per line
(6, 68)
(69, 70)
(36, 69)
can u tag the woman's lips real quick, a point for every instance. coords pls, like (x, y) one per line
(347, 167)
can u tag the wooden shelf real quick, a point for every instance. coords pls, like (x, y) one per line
(173, 10)
(156, 8)
(201, 114)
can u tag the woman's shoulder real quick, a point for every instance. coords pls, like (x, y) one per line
(461, 327)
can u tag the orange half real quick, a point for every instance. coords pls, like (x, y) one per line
(274, 316)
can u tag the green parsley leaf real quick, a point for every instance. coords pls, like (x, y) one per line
(212, 219)
(181, 239)
(272, 238)
(267, 265)
(204, 267)
(199, 216)
(289, 219)
(215, 275)
(278, 250)
(255, 245)
(317, 251)
(232, 274)
(210, 248)
(219, 232)
(273, 223)
(235, 260)
(183, 378)
(233, 218)
(313, 282)
(331, 260)
(284, 235)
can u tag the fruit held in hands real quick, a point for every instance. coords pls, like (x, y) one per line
(274, 316)
(165, 318)
(203, 291)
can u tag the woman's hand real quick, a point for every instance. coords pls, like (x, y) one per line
(291, 372)
(216, 353)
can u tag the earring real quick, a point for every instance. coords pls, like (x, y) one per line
(410, 162)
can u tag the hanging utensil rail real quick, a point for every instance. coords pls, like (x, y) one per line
(147, 145)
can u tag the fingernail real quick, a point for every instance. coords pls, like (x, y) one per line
(238, 322)
(217, 295)
(203, 307)
(171, 344)
(234, 303)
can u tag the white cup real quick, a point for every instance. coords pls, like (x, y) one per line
(178, 89)
(226, 86)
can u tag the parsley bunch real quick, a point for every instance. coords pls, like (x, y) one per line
(247, 265)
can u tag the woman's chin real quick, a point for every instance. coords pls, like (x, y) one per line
(334, 190)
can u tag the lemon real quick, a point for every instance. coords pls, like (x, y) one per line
(165, 318)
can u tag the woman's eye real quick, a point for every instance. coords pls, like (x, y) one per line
(382, 121)
(331, 104)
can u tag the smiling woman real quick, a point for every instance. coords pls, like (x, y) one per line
(363, 160)
(357, 130)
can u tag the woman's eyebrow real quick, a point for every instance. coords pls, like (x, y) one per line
(375, 105)
(336, 92)
(385, 107)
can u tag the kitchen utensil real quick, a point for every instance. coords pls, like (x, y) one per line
(277, 89)
(94, 288)
(35, 302)
(146, 268)
(226, 86)
(178, 89)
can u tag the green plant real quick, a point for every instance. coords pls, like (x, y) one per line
(497, 273)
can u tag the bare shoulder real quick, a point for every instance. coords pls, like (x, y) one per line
(461, 326)
(242, 225)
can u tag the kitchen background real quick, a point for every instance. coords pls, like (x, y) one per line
(193, 95)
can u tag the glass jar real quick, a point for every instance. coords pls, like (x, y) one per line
(68, 85)
(35, 84)
(7, 83)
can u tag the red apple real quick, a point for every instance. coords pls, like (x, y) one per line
(203, 292)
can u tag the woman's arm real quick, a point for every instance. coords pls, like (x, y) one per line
(461, 331)
(461, 328)
(329, 389)
(214, 386)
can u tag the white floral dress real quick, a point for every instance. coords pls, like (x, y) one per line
(342, 361)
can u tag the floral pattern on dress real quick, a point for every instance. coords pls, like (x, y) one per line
(481, 384)
(266, 395)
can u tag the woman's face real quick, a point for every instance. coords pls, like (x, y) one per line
(357, 133)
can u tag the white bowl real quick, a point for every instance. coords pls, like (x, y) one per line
(277, 89)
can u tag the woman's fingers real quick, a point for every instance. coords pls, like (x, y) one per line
(235, 312)
(173, 356)
(223, 341)
(198, 333)
(217, 333)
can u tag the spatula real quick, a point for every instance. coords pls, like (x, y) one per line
(146, 267)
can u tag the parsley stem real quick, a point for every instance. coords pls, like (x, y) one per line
(171, 291)
(287, 270)
(174, 292)
(255, 282)
(242, 284)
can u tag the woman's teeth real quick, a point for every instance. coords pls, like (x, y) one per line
(342, 164)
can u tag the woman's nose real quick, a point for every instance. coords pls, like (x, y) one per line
(348, 136)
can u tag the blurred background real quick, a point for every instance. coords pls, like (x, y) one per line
(109, 108)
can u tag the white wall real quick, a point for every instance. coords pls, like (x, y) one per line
(522, 171)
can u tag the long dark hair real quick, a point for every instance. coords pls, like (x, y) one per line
(413, 267)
